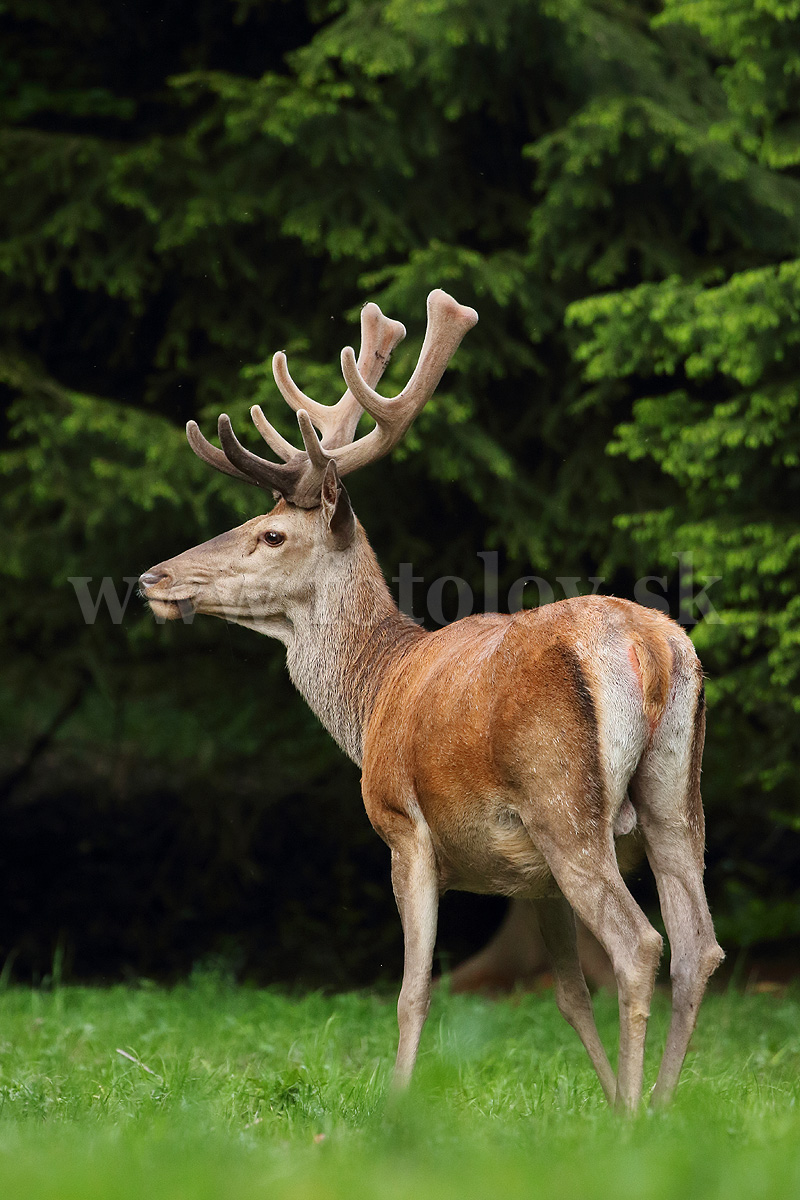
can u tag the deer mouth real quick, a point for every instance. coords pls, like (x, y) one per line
(165, 606)
(170, 610)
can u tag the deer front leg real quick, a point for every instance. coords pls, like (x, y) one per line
(416, 889)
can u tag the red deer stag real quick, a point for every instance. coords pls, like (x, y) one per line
(502, 754)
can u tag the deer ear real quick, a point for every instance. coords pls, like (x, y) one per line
(336, 510)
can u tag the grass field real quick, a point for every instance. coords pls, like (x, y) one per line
(210, 1090)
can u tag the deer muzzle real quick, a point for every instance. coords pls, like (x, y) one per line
(167, 600)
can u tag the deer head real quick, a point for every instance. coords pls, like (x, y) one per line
(258, 573)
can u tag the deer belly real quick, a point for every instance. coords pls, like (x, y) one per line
(493, 856)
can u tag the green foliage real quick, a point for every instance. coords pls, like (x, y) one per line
(759, 45)
(710, 368)
(189, 189)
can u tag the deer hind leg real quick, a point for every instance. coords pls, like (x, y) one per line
(666, 793)
(584, 865)
(557, 925)
(416, 889)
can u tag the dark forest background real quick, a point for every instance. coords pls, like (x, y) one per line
(189, 186)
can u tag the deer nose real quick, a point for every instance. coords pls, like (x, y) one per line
(151, 578)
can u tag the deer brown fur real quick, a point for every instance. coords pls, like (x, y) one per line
(530, 755)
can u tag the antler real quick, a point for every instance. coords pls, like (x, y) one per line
(299, 477)
(448, 321)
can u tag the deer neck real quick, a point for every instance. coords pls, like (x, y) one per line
(344, 642)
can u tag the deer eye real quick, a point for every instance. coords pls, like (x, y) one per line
(272, 538)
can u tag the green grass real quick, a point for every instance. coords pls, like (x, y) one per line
(231, 1092)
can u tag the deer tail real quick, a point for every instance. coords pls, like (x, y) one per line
(654, 659)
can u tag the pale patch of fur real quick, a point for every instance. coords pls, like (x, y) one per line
(668, 759)
(343, 642)
(622, 726)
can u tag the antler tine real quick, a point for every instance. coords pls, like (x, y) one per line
(273, 476)
(379, 336)
(448, 321)
(291, 393)
(269, 433)
(210, 454)
(336, 422)
(313, 445)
